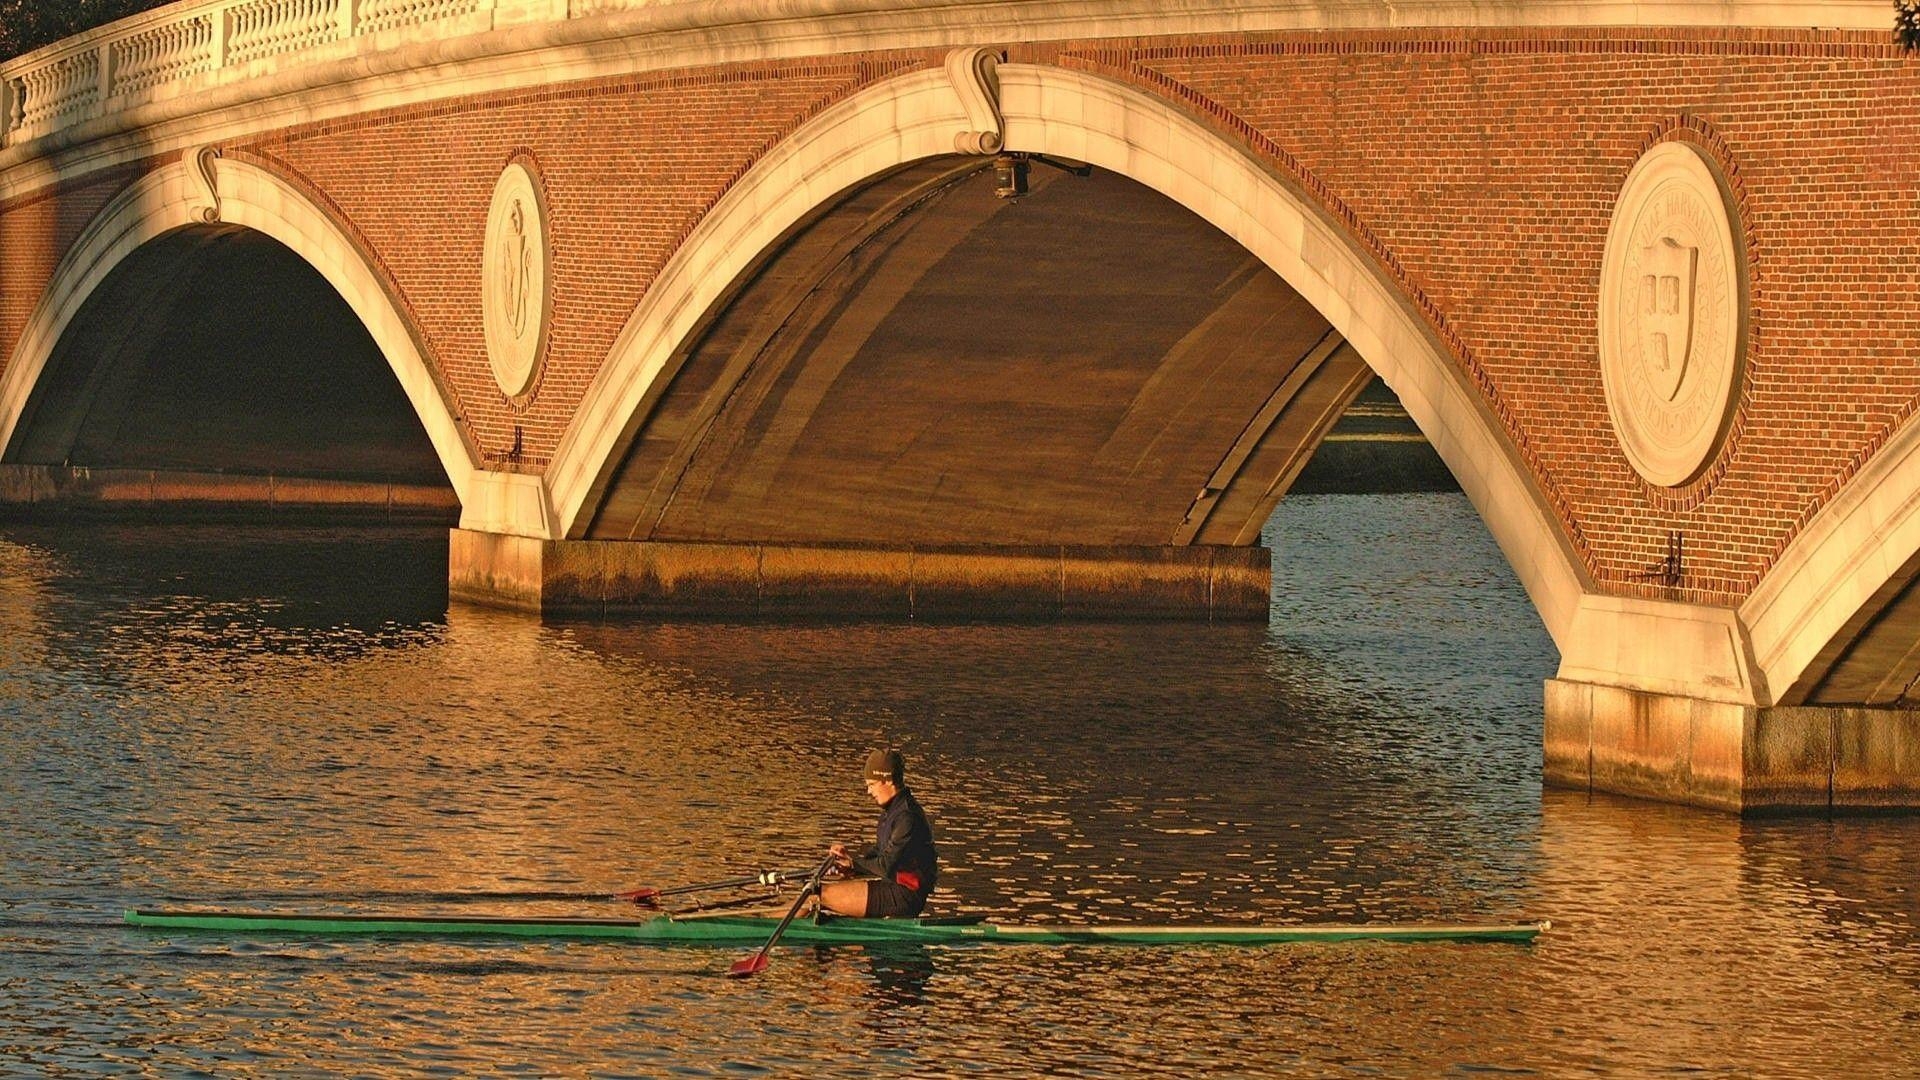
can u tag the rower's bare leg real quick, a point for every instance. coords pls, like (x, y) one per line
(845, 898)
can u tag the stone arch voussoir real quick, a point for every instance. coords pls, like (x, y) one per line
(1112, 126)
(1836, 566)
(203, 189)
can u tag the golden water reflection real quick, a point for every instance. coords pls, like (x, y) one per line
(186, 732)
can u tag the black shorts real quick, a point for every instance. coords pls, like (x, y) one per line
(892, 900)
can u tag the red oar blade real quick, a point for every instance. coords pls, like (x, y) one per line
(649, 897)
(745, 968)
(752, 965)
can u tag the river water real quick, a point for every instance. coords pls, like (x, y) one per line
(246, 717)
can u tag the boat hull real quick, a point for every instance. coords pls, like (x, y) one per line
(741, 929)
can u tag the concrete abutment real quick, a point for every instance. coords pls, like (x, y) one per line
(1730, 756)
(77, 493)
(615, 577)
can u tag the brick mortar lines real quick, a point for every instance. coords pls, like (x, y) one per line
(1350, 220)
(857, 73)
(1128, 60)
(863, 68)
(370, 254)
(1496, 41)
(122, 176)
(1627, 42)
(103, 188)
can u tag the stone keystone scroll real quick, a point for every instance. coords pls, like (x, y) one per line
(974, 78)
(206, 203)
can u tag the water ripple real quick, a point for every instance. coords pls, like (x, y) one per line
(265, 719)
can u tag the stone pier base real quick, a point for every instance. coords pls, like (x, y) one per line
(611, 577)
(56, 492)
(1743, 758)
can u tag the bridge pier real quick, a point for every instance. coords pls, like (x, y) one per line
(1668, 700)
(1730, 756)
(65, 493)
(612, 577)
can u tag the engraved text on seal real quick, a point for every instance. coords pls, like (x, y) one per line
(1672, 315)
(514, 281)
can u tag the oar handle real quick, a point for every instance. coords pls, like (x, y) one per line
(759, 960)
(763, 877)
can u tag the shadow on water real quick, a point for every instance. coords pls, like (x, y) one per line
(191, 594)
(288, 721)
(1089, 771)
(1116, 753)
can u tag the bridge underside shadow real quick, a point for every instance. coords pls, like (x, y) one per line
(929, 397)
(929, 363)
(215, 372)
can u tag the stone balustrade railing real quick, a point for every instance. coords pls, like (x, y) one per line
(159, 54)
(197, 44)
(202, 42)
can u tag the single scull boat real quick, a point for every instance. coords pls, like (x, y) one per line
(701, 929)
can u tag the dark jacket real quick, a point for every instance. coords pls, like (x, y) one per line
(902, 846)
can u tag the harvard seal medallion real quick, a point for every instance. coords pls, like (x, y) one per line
(513, 284)
(1673, 315)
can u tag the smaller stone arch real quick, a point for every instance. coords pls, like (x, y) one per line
(1848, 574)
(201, 189)
(1084, 117)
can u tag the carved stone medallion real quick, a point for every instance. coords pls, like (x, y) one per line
(1673, 315)
(513, 287)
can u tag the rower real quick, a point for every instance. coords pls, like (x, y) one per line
(901, 866)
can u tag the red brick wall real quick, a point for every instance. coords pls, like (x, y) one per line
(626, 179)
(35, 232)
(1479, 168)
(1483, 168)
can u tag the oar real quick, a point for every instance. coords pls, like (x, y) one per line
(648, 896)
(758, 961)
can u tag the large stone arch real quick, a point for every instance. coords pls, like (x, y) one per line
(1840, 602)
(1074, 115)
(199, 189)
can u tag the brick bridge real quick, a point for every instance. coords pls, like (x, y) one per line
(762, 306)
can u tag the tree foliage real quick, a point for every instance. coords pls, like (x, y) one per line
(1906, 22)
(25, 25)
